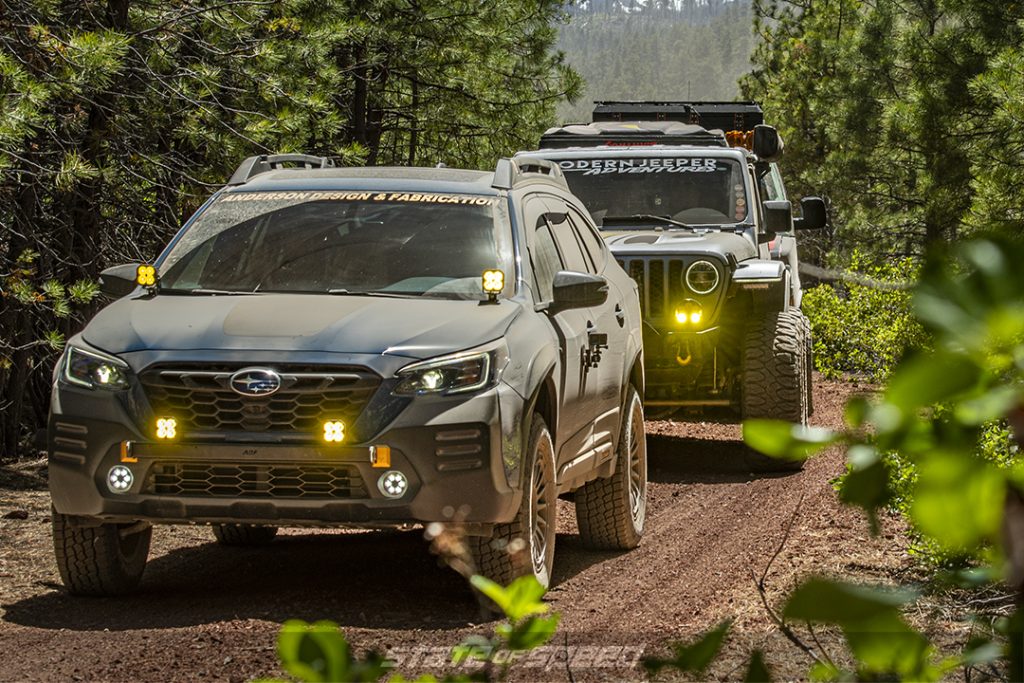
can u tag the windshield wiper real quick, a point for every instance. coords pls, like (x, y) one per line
(370, 292)
(647, 217)
(202, 291)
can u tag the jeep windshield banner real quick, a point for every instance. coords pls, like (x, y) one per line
(644, 165)
(695, 190)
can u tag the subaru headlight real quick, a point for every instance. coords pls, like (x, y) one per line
(94, 370)
(457, 373)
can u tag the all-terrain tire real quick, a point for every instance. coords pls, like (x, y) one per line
(611, 511)
(775, 379)
(809, 351)
(99, 560)
(526, 545)
(244, 534)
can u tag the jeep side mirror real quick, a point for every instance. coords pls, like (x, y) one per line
(778, 217)
(578, 290)
(767, 143)
(119, 281)
(815, 215)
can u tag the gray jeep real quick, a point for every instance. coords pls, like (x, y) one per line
(357, 347)
(699, 219)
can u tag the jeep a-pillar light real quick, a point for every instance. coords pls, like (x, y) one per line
(334, 431)
(493, 283)
(145, 275)
(689, 313)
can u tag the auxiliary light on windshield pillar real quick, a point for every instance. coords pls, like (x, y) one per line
(493, 283)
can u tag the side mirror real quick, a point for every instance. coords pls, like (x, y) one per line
(767, 143)
(578, 290)
(778, 217)
(815, 215)
(119, 281)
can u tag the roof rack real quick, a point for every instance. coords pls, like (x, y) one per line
(510, 172)
(726, 116)
(262, 163)
(630, 134)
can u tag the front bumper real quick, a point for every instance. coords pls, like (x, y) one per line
(460, 455)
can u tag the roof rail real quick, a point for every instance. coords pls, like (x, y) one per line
(262, 163)
(726, 116)
(510, 172)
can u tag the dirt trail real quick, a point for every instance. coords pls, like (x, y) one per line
(210, 612)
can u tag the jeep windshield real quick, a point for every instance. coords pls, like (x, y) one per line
(696, 191)
(341, 243)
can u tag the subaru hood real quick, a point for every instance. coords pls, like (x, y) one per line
(414, 328)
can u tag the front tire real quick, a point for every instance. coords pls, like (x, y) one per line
(102, 560)
(526, 545)
(611, 512)
(775, 379)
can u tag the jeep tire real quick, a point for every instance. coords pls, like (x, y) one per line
(611, 511)
(102, 560)
(775, 378)
(244, 534)
(526, 545)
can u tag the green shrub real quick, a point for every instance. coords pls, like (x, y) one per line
(861, 329)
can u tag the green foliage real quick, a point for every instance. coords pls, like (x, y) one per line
(862, 329)
(935, 443)
(907, 115)
(695, 657)
(319, 652)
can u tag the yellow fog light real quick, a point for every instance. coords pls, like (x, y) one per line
(166, 428)
(146, 276)
(689, 312)
(493, 283)
(334, 431)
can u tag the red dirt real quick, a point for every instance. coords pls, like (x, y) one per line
(211, 612)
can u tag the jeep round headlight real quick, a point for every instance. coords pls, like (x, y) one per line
(702, 277)
(93, 370)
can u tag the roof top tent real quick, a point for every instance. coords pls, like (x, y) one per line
(725, 116)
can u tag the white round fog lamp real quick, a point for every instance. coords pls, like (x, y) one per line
(119, 479)
(393, 484)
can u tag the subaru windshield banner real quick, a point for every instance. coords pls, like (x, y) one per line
(643, 165)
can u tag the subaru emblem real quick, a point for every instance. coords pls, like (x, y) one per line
(255, 382)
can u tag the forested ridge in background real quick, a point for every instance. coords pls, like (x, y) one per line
(119, 117)
(656, 50)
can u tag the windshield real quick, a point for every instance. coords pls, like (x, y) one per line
(342, 243)
(692, 190)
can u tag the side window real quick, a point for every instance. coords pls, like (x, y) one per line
(545, 261)
(592, 243)
(569, 244)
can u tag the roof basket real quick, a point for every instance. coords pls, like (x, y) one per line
(262, 163)
(510, 172)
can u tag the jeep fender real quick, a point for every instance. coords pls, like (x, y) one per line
(767, 281)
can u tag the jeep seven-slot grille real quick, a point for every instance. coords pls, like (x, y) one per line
(201, 399)
(254, 480)
(661, 284)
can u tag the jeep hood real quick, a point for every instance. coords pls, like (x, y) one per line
(717, 243)
(414, 328)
